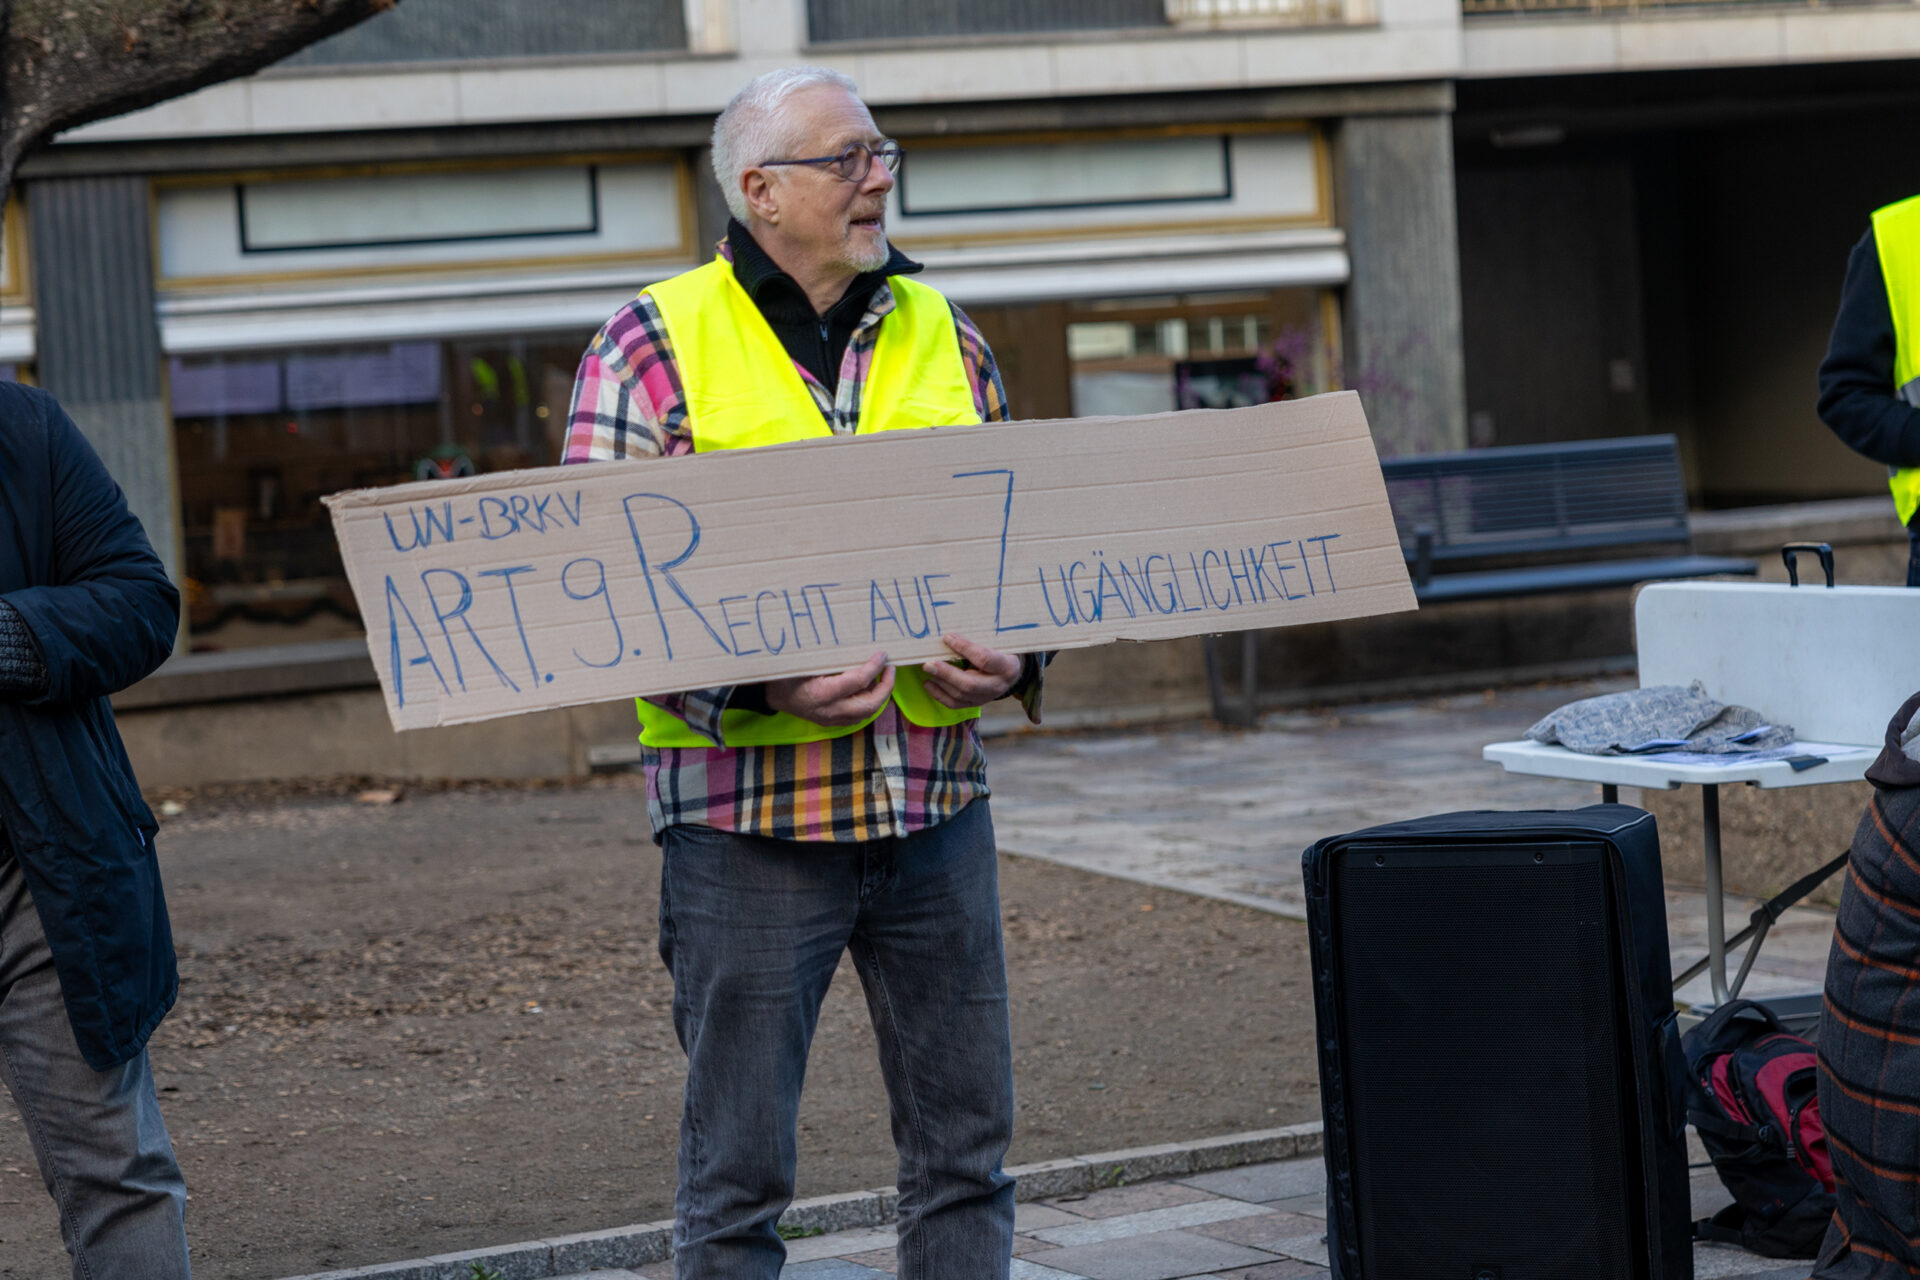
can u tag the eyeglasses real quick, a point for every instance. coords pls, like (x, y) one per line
(855, 163)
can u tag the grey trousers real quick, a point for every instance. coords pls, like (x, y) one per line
(98, 1136)
(753, 929)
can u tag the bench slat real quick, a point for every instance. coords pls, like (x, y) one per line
(1592, 576)
(1529, 500)
(1533, 498)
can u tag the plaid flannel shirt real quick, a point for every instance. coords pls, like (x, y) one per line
(889, 778)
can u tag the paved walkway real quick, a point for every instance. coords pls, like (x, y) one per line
(1227, 813)
(1259, 1222)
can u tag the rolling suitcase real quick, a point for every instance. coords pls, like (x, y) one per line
(1500, 1069)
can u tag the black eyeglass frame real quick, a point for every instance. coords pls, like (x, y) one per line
(888, 153)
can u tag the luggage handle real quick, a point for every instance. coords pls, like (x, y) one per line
(1821, 549)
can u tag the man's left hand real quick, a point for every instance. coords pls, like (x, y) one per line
(987, 675)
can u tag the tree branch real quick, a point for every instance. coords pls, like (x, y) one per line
(68, 62)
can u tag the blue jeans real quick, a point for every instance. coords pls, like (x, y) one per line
(97, 1135)
(752, 930)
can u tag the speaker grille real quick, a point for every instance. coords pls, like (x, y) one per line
(1482, 1049)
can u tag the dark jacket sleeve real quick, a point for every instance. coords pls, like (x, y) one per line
(109, 615)
(1858, 397)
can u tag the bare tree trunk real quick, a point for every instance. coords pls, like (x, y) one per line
(67, 62)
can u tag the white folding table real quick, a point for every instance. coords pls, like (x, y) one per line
(1833, 662)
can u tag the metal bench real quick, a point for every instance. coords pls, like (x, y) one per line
(1531, 519)
(1525, 520)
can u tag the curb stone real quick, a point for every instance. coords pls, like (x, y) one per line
(627, 1247)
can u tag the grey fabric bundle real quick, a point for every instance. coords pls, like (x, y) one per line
(1661, 718)
(23, 672)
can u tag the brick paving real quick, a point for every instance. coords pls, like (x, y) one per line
(1258, 1222)
(1226, 814)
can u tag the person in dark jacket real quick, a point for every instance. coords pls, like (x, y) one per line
(1869, 392)
(86, 955)
(1869, 1038)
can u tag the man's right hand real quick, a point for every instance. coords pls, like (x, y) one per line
(851, 697)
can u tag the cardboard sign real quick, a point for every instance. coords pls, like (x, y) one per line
(521, 591)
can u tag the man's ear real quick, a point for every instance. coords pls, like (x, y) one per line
(758, 187)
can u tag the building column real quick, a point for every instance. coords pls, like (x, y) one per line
(710, 212)
(99, 338)
(1402, 328)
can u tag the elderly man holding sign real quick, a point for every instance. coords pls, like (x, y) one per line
(804, 818)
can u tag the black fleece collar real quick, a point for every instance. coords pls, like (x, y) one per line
(780, 297)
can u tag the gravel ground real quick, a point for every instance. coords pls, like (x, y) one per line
(413, 1027)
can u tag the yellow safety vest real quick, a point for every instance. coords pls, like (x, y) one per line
(1896, 231)
(743, 392)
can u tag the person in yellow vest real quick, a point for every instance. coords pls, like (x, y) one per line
(1870, 380)
(801, 820)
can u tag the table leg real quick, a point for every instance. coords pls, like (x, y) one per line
(1250, 675)
(1609, 793)
(1716, 900)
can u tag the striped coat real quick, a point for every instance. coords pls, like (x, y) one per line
(1870, 1033)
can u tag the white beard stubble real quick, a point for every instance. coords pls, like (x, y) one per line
(869, 260)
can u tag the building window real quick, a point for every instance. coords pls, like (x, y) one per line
(262, 436)
(420, 223)
(1067, 175)
(829, 21)
(471, 30)
(1157, 354)
(1204, 351)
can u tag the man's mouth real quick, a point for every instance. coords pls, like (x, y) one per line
(873, 222)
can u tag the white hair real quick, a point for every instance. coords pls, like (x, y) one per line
(751, 129)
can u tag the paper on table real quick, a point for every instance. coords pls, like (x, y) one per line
(1669, 743)
(1733, 760)
(1655, 744)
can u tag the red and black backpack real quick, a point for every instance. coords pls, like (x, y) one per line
(1752, 1095)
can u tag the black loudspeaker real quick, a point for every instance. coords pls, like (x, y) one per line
(1500, 1069)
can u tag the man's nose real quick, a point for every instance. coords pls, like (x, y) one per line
(879, 179)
